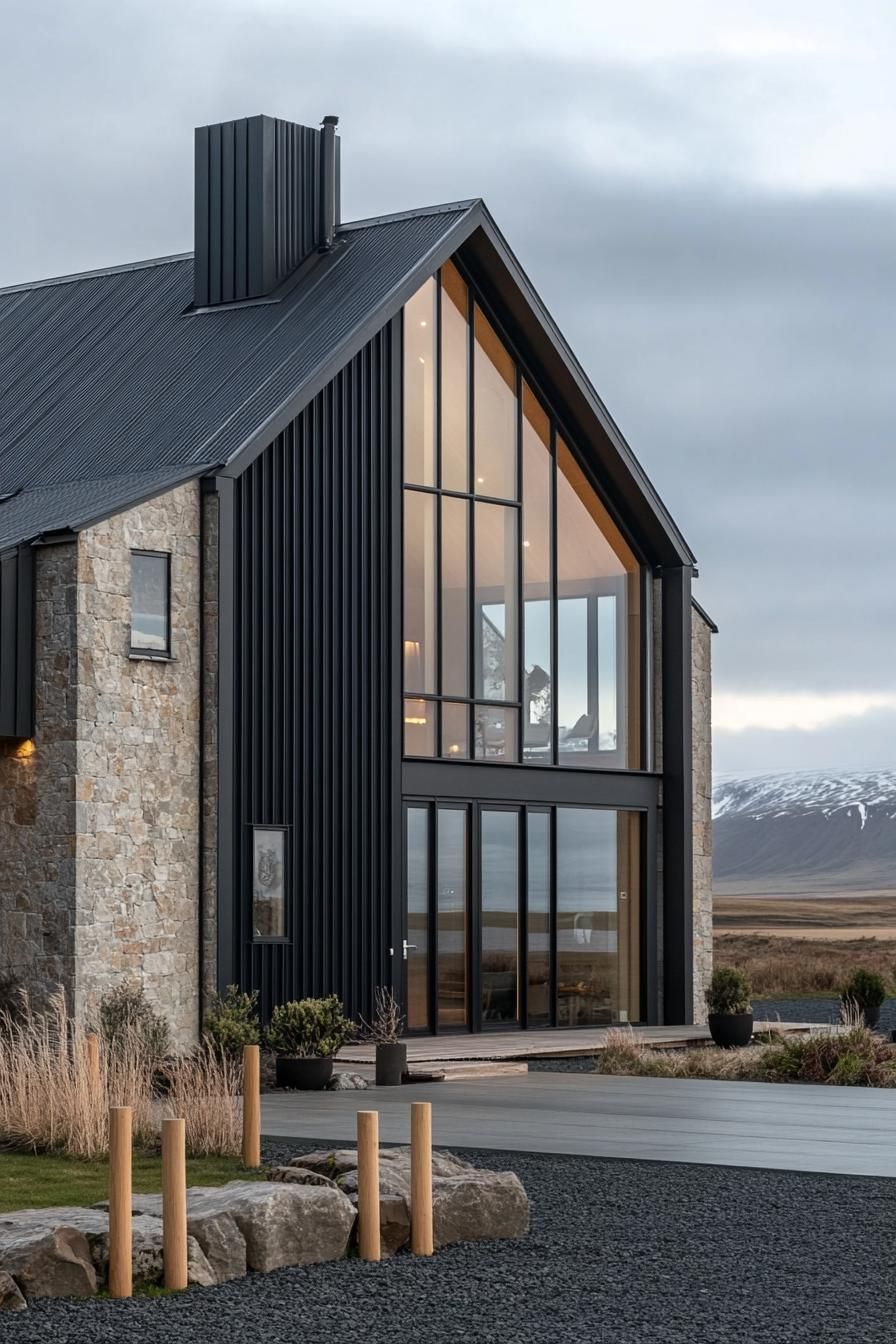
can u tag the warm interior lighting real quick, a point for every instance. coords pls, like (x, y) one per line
(24, 750)
(418, 723)
(454, 749)
(527, 543)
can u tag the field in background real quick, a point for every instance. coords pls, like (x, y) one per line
(800, 945)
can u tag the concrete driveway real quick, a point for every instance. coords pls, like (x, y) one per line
(777, 1125)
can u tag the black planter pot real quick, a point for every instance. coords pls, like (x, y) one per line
(307, 1075)
(730, 1030)
(391, 1063)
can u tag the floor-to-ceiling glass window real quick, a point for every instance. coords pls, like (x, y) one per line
(543, 908)
(499, 903)
(522, 598)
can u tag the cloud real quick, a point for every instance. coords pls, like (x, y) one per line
(738, 713)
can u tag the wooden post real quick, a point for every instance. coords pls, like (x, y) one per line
(92, 1046)
(251, 1106)
(421, 1178)
(120, 1267)
(369, 1185)
(174, 1203)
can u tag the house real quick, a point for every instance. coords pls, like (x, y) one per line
(343, 640)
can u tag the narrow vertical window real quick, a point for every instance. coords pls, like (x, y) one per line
(150, 603)
(495, 576)
(494, 411)
(268, 882)
(419, 592)
(455, 389)
(537, 592)
(417, 941)
(455, 596)
(420, 386)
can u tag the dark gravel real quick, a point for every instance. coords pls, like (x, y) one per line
(816, 1010)
(568, 1064)
(622, 1252)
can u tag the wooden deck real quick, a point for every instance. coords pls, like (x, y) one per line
(522, 1045)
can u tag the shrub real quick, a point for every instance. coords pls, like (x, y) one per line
(13, 999)
(126, 1014)
(231, 1021)
(855, 1057)
(865, 989)
(387, 1023)
(205, 1089)
(728, 991)
(309, 1028)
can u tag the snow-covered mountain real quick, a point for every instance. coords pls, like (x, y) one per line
(829, 829)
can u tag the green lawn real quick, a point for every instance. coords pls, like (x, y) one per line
(38, 1180)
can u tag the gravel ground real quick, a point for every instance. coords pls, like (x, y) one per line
(817, 1010)
(619, 1253)
(568, 1064)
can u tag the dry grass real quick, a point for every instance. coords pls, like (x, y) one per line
(854, 1057)
(789, 965)
(51, 1100)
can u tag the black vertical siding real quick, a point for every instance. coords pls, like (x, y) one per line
(17, 643)
(316, 731)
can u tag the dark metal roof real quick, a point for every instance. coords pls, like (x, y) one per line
(112, 375)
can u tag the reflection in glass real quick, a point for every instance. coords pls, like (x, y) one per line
(537, 689)
(500, 914)
(419, 592)
(417, 964)
(495, 733)
(495, 570)
(587, 917)
(420, 727)
(420, 386)
(149, 602)
(598, 622)
(494, 414)
(455, 596)
(538, 918)
(451, 916)
(268, 882)
(455, 731)
(455, 381)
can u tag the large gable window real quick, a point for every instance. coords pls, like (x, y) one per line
(151, 603)
(522, 620)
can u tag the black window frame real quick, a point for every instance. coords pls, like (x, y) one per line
(142, 651)
(275, 938)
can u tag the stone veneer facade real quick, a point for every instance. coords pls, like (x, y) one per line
(701, 696)
(101, 814)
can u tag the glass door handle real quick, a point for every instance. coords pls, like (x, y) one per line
(407, 947)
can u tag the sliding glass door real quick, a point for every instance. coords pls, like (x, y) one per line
(521, 916)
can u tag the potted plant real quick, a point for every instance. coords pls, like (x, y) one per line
(385, 1030)
(864, 992)
(730, 1009)
(305, 1036)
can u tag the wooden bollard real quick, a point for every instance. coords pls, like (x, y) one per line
(120, 1251)
(369, 1185)
(421, 1178)
(174, 1203)
(92, 1048)
(251, 1106)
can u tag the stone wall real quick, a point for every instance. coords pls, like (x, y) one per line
(138, 772)
(37, 796)
(209, 932)
(701, 692)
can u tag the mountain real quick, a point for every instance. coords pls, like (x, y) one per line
(805, 832)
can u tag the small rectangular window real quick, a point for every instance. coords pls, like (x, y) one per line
(150, 602)
(268, 882)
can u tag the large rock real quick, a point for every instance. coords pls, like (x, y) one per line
(11, 1298)
(93, 1226)
(301, 1176)
(281, 1224)
(216, 1234)
(47, 1261)
(477, 1206)
(469, 1204)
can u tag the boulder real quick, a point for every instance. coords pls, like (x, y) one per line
(478, 1205)
(347, 1082)
(332, 1162)
(11, 1298)
(281, 1224)
(93, 1226)
(48, 1261)
(216, 1234)
(301, 1176)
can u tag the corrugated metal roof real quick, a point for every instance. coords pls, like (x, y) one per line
(109, 377)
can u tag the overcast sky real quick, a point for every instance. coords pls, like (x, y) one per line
(703, 192)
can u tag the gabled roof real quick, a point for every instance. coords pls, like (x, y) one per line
(113, 388)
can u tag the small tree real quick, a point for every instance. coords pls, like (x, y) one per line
(309, 1029)
(387, 1023)
(864, 990)
(231, 1021)
(728, 992)
(126, 1013)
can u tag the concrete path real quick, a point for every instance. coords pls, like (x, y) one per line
(776, 1125)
